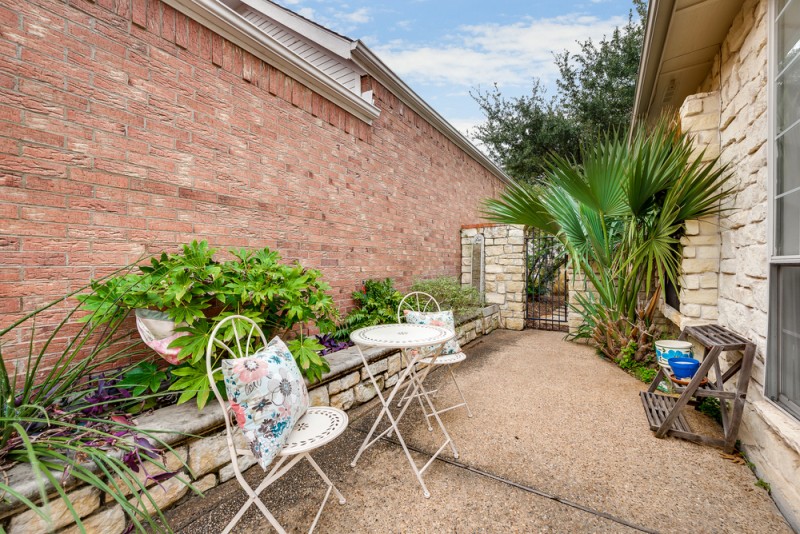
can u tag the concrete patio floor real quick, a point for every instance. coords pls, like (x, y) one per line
(559, 442)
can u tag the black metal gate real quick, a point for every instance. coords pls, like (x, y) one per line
(546, 284)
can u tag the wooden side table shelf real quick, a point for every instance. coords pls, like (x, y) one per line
(664, 411)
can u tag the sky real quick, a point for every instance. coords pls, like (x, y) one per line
(445, 49)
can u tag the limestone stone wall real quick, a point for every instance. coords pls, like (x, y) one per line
(700, 117)
(504, 257)
(770, 436)
(346, 386)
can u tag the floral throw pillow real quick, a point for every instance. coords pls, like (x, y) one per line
(443, 319)
(268, 396)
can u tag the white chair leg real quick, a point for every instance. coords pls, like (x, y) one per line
(324, 477)
(453, 376)
(254, 499)
(419, 395)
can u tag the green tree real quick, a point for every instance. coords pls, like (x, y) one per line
(595, 95)
(520, 132)
(598, 84)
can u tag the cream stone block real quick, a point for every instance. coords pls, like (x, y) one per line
(391, 381)
(702, 239)
(710, 313)
(208, 453)
(206, 483)
(709, 280)
(691, 106)
(395, 364)
(493, 250)
(366, 391)
(163, 495)
(106, 521)
(692, 227)
(375, 368)
(513, 323)
(495, 298)
(700, 296)
(690, 310)
(246, 461)
(84, 501)
(343, 400)
(319, 396)
(707, 252)
(706, 121)
(690, 281)
(493, 269)
(700, 266)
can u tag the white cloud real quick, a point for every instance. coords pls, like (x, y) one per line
(359, 16)
(509, 55)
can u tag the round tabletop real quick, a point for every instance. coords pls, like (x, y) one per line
(406, 336)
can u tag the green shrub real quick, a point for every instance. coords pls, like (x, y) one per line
(194, 288)
(450, 294)
(377, 304)
(642, 370)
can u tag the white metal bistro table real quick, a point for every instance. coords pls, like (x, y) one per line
(403, 336)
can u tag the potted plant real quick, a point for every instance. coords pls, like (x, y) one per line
(195, 291)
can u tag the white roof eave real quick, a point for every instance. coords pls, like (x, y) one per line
(227, 23)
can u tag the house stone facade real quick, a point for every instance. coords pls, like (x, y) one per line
(726, 262)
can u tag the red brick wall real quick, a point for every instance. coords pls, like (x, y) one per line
(127, 128)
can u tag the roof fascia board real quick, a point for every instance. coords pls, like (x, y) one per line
(227, 23)
(373, 65)
(327, 39)
(655, 37)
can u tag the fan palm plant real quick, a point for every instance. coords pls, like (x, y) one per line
(620, 214)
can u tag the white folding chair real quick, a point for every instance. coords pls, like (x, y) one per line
(318, 426)
(423, 302)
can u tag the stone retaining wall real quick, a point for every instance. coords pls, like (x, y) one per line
(347, 385)
(504, 269)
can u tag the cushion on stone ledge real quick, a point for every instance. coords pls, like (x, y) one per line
(268, 395)
(444, 319)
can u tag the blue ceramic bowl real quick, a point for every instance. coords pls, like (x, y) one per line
(683, 367)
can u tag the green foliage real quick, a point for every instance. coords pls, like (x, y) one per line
(59, 414)
(306, 350)
(627, 361)
(764, 485)
(545, 256)
(710, 406)
(520, 132)
(595, 95)
(620, 214)
(145, 376)
(449, 293)
(197, 292)
(598, 84)
(377, 304)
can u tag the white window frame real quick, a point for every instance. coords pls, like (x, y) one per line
(771, 385)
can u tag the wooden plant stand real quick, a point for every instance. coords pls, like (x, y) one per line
(664, 411)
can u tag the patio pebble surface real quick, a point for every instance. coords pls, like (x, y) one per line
(551, 419)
